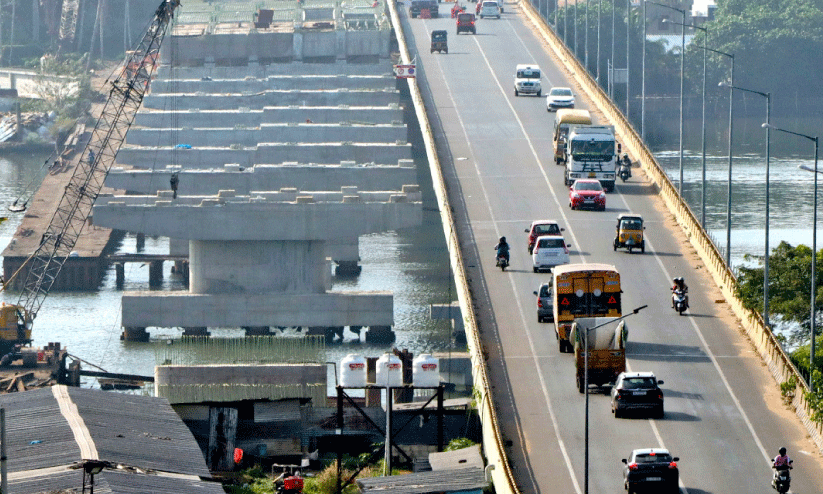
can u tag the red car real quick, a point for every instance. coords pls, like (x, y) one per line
(587, 193)
(541, 228)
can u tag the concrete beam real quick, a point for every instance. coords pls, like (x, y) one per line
(280, 133)
(187, 101)
(260, 70)
(153, 157)
(235, 118)
(284, 215)
(287, 82)
(180, 309)
(367, 176)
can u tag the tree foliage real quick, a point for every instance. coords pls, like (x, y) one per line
(776, 43)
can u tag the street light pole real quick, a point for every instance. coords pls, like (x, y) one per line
(813, 288)
(643, 83)
(628, 52)
(586, 39)
(599, 11)
(768, 97)
(682, 65)
(586, 389)
(729, 198)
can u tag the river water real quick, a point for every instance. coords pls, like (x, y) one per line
(410, 263)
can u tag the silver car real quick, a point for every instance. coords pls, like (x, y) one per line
(549, 251)
(559, 97)
(545, 303)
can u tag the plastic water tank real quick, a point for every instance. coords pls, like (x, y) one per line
(353, 371)
(389, 371)
(426, 370)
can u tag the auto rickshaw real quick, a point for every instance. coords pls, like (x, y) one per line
(440, 41)
(630, 232)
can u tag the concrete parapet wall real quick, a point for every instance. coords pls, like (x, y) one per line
(271, 114)
(182, 101)
(266, 177)
(182, 309)
(150, 158)
(214, 219)
(270, 133)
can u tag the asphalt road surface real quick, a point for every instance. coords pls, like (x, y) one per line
(724, 417)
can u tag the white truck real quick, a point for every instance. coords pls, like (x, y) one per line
(590, 153)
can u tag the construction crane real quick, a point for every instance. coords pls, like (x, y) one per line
(126, 94)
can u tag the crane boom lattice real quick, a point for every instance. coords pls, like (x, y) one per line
(125, 97)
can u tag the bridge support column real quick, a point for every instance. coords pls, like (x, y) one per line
(119, 274)
(257, 331)
(347, 268)
(196, 331)
(135, 334)
(380, 334)
(141, 242)
(155, 273)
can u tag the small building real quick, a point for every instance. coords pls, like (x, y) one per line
(142, 445)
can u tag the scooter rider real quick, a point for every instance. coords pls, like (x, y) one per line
(680, 284)
(502, 248)
(782, 461)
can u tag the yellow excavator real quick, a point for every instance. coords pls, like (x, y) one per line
(126, 94)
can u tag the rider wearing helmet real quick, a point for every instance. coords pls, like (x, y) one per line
(502, 248)
(782, 461)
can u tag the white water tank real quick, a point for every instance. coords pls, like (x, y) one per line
(353, 371)
(426, 371)
(389, 371)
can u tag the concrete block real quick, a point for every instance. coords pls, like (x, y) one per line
(175, 309)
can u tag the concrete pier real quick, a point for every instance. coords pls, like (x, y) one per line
(260, 260)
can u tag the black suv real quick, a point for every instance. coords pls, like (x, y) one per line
(637, 391)
(651, 469)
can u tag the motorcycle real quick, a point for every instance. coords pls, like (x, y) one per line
(679, 300)
(625, 169)
(502, 261)
(781, 480)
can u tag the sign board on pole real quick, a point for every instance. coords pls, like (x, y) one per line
(406, 71)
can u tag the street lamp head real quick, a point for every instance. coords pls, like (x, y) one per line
(723, 84)
(768, 126)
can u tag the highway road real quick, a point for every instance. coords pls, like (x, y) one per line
(724, 417)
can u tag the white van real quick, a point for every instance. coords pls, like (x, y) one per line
(490, 8)
(527, 79)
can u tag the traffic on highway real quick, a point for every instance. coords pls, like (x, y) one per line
(723, 420)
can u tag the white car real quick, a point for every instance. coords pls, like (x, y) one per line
(559, 97)
(549, 251)
(490, 8)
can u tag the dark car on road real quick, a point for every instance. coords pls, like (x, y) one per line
(651, 470)
(545, 309)
(637, 391)
(465, 23)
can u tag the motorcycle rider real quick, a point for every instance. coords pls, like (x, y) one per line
(680, 284)
(502, 249)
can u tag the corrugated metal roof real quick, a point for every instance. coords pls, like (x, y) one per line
(139, 431)
(37, 434)
(136, 431)
(463, 479)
